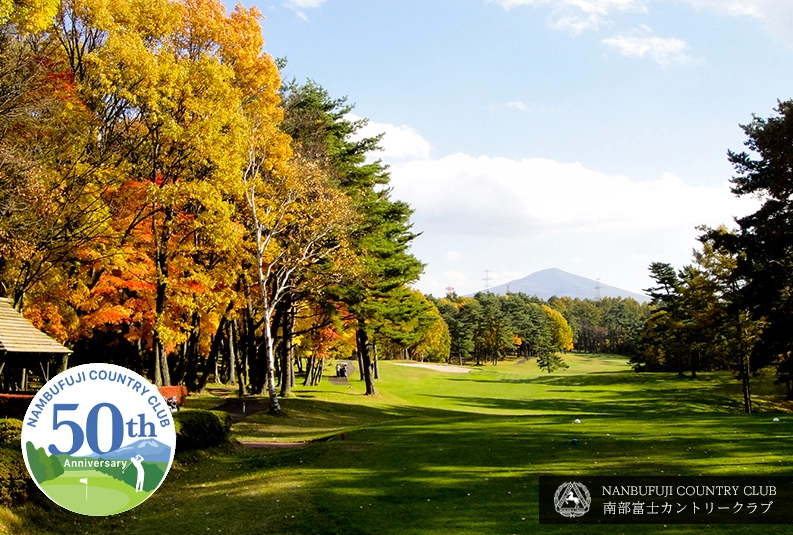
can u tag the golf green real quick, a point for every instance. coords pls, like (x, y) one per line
(101, 495)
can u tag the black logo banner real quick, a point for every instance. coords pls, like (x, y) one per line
(666, 500)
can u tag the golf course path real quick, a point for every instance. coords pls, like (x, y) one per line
(239, 409)
(343, 381)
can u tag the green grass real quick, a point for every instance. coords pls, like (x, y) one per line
(442, 453)
(104, 496)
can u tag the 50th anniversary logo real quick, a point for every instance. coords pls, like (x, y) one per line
(98, 439)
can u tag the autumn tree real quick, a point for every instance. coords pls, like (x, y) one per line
(374, 288)
(297, 219)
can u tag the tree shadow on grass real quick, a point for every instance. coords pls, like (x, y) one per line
(665, 401)
(412, 470)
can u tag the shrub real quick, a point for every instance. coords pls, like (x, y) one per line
(14, 479)
(14, 405)
(197, 429)
(11, 433)
(179, 391)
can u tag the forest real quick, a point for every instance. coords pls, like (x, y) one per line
(170, 204)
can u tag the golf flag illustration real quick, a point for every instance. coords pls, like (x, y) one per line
(93, 422)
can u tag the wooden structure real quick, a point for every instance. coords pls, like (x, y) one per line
(23, 346)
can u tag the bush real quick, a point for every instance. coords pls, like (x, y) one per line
(180, 392)
(198, 429)
(15, 483)
(14, 405)
(11, 433)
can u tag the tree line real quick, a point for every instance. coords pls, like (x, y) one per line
(732, 307)
(167, 203)
(487, 327)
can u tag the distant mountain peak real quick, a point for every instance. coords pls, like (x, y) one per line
(551, 282)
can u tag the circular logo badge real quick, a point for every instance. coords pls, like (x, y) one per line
(572, 499)
(98, 439)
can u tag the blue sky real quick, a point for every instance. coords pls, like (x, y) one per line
(588, 135)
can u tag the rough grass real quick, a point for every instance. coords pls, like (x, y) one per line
(439, 453)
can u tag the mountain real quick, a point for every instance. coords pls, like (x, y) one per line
(550, 282)
(151, 450)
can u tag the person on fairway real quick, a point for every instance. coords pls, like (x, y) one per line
(136, 460)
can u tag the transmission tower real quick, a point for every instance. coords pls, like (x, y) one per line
(487, 280)
(597, 289)
(449, 291)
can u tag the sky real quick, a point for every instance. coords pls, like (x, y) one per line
(585, 135)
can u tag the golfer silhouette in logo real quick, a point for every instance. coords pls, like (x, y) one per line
(136, 460)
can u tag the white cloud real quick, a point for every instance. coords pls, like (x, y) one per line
(641, 43)
(775, 14)
(498, 278)
(305, 4)
(600, 7)
(518, 105)
(398, 143)
(453, 255)
(753, 8)
(455, 279)
(577, 25)
(500, 197)
(577, 16)
(518, 216)
(299, 5)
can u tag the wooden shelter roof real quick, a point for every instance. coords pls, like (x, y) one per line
(18, 335)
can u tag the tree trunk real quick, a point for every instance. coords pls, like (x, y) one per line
(211, 362)
(242, 361)
(216, 372)
(275, 406)
(251, 351)
(376, 367)
(745, 366)
(309, 369)
(191, 356)
(161, 375)
(747, 389)
(232, 353)
(360, 358)
(157, 369)
(287, 364)
(141, 357)
(366, 362)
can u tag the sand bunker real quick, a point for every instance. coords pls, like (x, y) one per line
(439, 367)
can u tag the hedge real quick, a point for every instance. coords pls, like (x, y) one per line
(15, 483)
(198, 429)
(14, 405)
(11, 433)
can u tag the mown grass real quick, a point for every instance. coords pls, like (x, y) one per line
(442, 453)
